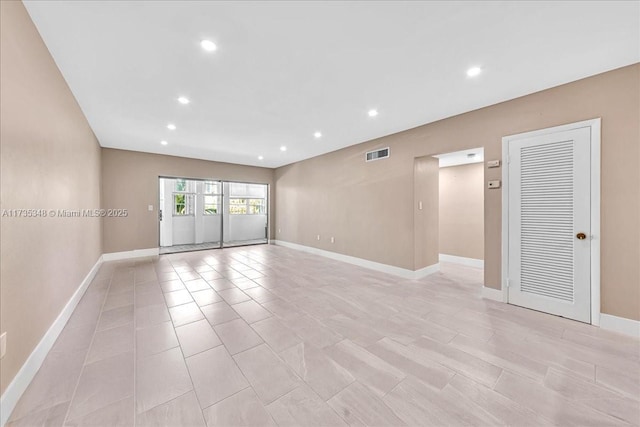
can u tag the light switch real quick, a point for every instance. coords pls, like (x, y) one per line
(494, 184)
(493, 163)
(150, 208)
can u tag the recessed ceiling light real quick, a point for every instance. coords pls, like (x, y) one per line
(163, 142)
(318, 134)
(474, 71)
(260, 158)
(283, 148)
(208, 45)
(171, 126)
(183, 100)
(372, 113)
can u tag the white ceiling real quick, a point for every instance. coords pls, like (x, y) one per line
(284, 70)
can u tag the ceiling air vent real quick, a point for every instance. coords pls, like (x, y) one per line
(383, 153)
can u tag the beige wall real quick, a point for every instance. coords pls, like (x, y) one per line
(425, 188)
(368, 207)
(130, 181)
(462, 210)
(49, 159)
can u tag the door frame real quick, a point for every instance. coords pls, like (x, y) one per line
(160, 207)
(595, 126)
(268, 201)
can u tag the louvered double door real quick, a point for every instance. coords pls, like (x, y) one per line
(549, 223)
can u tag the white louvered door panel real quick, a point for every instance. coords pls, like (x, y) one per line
(549, 204)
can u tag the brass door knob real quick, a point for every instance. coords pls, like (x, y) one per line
(581, 236)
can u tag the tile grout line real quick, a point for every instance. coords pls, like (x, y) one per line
(93, 336)
(228, 397)
(247, 380)
(326, 401)
(236, 364)
(184, 359)
(448, 344)
(135, 353)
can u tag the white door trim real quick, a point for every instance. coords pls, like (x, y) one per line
(594, 125)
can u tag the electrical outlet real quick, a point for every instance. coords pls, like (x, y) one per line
(279, 230)
(493, 163)
(494, 184)
(333, 240)
(3, 345)
(318, 237)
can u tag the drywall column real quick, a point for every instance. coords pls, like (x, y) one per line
(426, 211)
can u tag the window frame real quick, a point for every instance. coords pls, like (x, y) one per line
(189, 202)
(216, 204)
(247, 205)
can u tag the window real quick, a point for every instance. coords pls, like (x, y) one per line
(211, 205)
(211, 190)
(238, 206)
(182, 204)
(181, 185)
(247, 206)
(211, 187)
(256, 206)
(183, 197)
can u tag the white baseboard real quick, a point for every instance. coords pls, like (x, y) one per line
(471, 262)
(136, 253)
(360, 262)
(25, 375)
(426, 271)
(492, 294)
(620, 324)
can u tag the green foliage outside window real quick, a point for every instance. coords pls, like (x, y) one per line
(211, 205)
(180, 204)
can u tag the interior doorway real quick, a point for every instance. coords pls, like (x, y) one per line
(200, 214)
(449, 213)
(461, 207)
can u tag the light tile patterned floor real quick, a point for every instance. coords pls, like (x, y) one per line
(209, 245)
(265, 335)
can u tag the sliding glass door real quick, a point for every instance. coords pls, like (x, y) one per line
(245, 219)
(203, 214)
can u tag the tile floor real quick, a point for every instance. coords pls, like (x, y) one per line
(209, 245)
(186, 248)
(265, 335)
